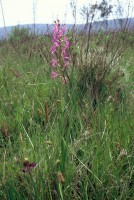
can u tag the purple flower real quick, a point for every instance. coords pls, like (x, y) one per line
(53, 62)
(54, 74)
(60, 48)
(67, 44)
(53, 49)
(28, 166)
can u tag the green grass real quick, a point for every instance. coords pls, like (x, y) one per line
(57, 128)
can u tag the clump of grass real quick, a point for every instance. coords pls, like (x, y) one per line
(101, 67)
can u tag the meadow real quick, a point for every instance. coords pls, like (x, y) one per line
(67, 134)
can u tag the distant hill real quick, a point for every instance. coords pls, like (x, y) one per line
(115, 24)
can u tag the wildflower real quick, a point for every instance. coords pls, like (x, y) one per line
(54, 74)
(53, 62)
(66, 41)
(28, 166)
(60, 49)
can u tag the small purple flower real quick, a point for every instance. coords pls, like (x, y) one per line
(53, 62)
(66, 41)
(28, 166)
(53, 49)
(32, 165)
(54, 74)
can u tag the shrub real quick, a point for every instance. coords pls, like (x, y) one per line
(18, 36)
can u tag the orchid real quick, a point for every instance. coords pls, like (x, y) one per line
(60, 49)
(54, 74)
(53, 62)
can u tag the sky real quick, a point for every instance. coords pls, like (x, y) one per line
(46, 11)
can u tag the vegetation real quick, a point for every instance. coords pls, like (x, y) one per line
(18, 35)
(68, 139)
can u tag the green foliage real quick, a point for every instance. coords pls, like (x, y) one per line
(19, 35)
(80, 152)
(98, 66)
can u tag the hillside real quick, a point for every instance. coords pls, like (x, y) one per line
(103, 25)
